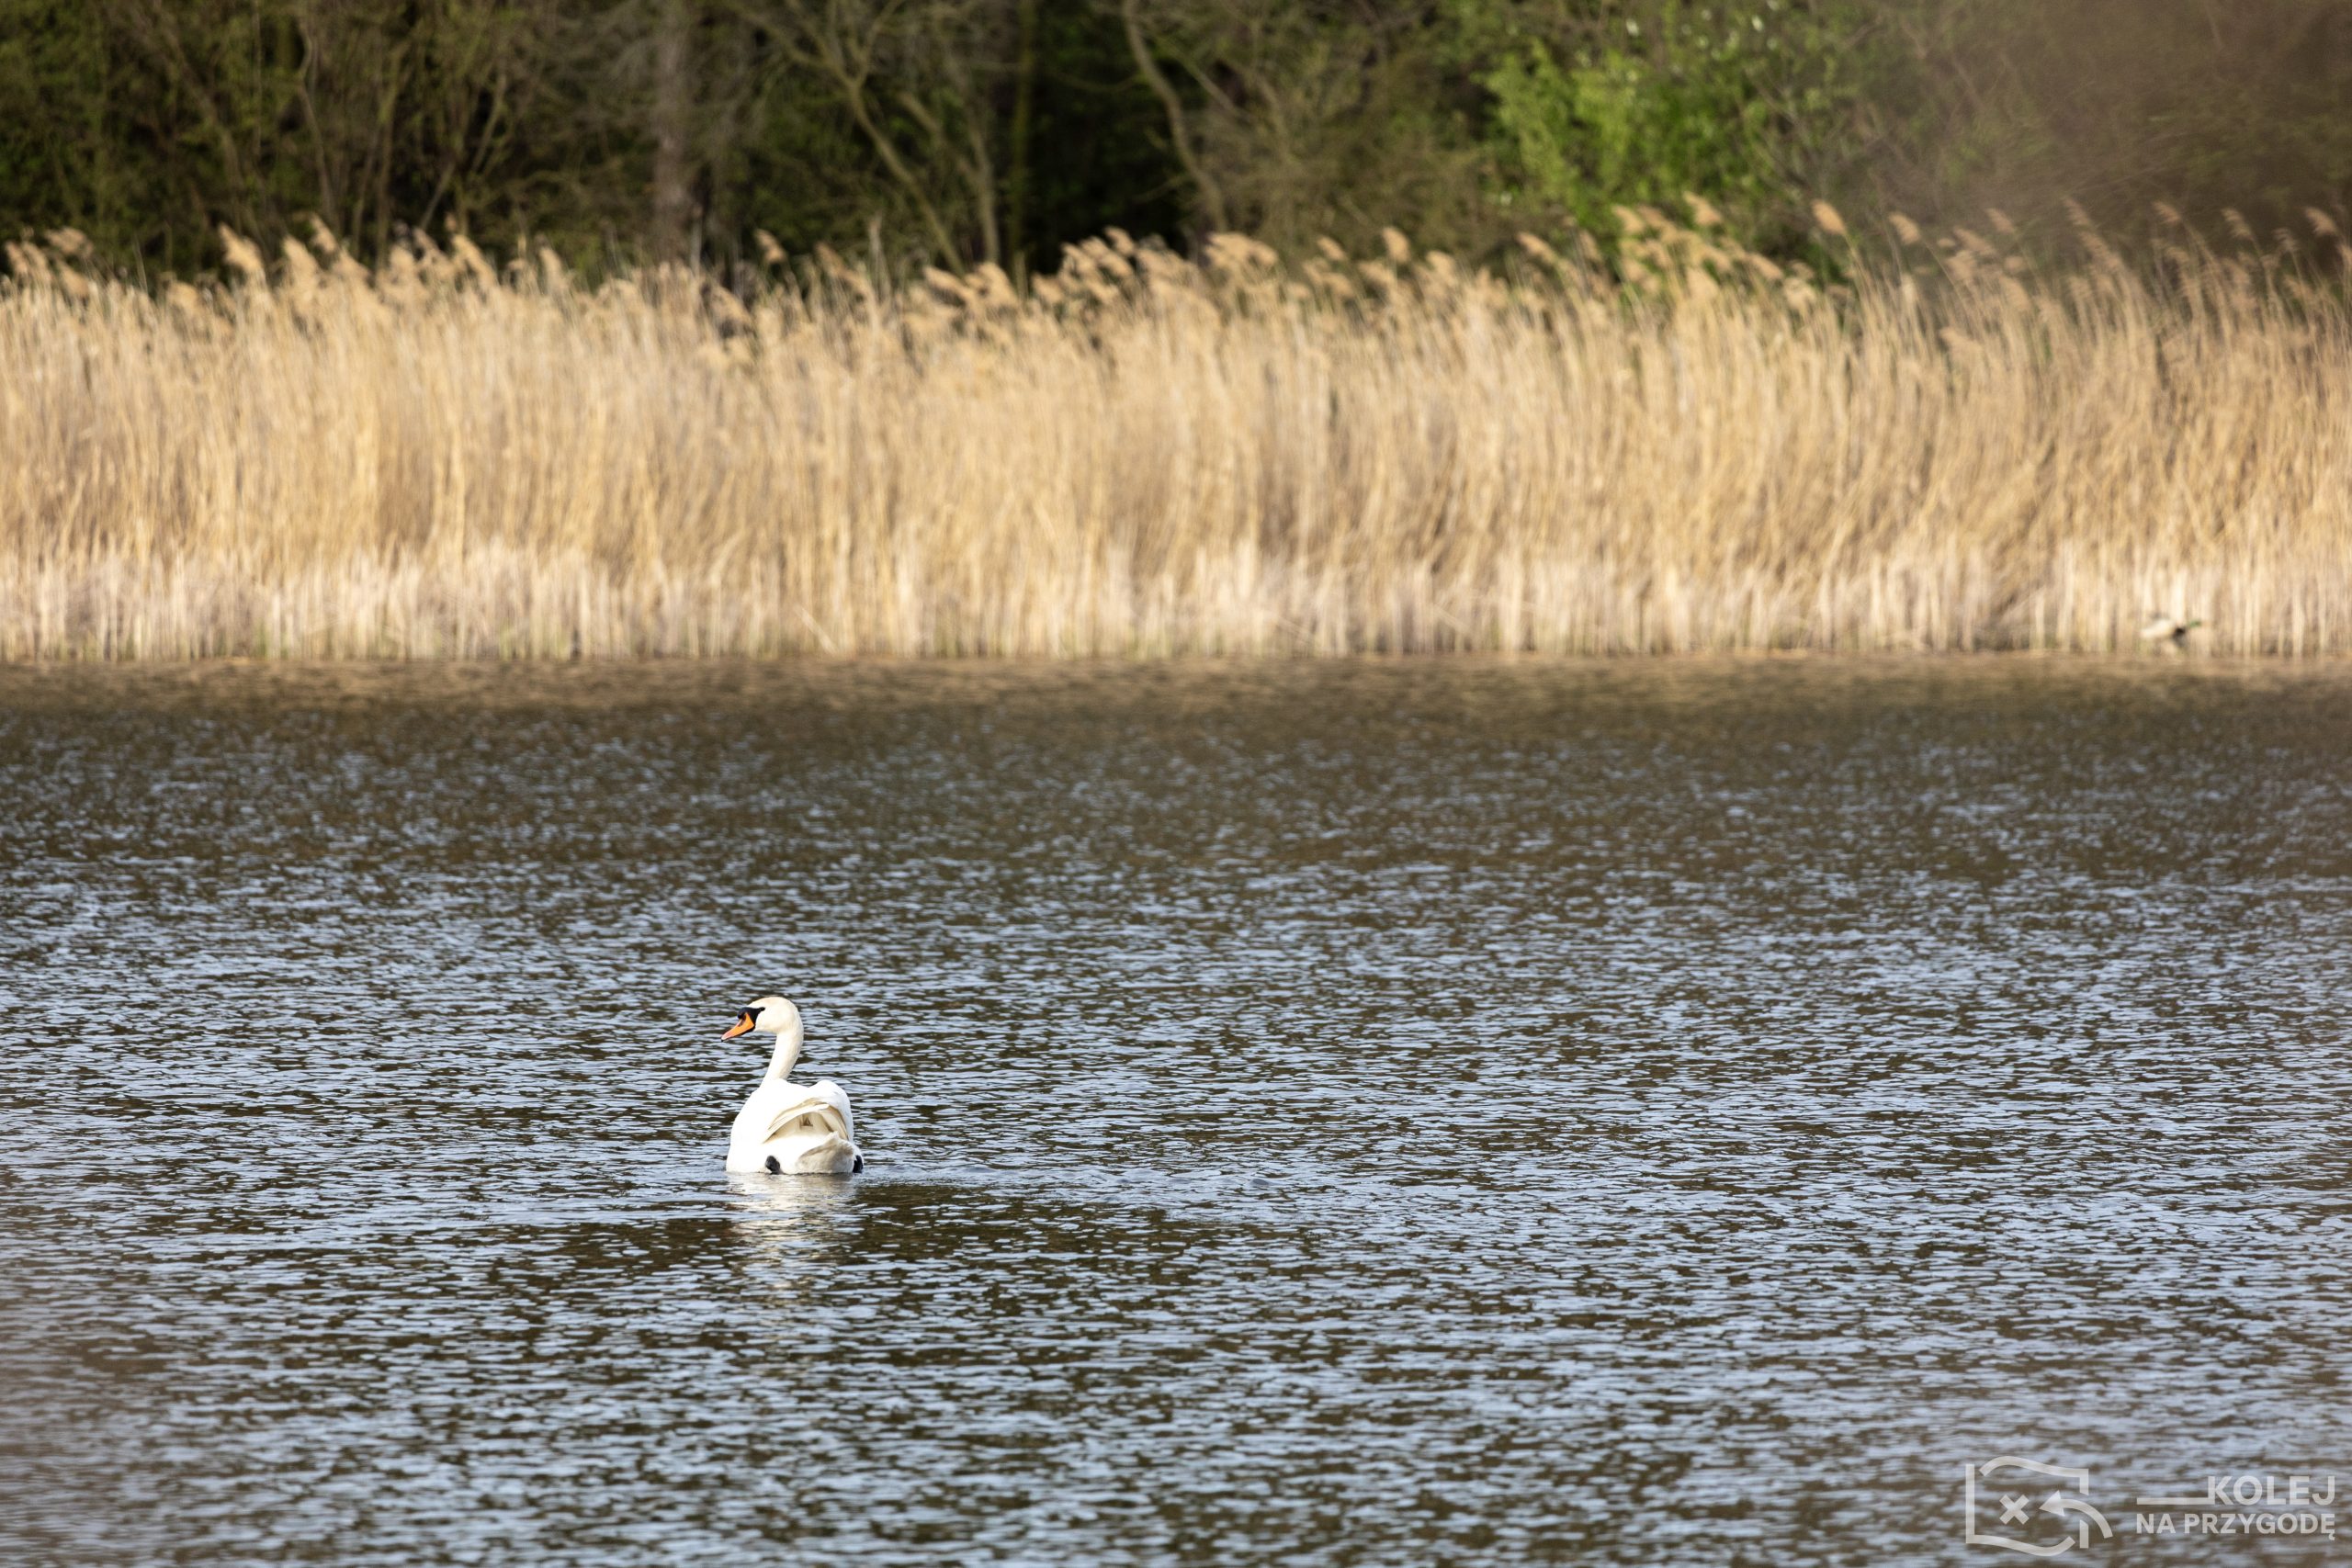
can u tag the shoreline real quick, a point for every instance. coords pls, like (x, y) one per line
(833, 680)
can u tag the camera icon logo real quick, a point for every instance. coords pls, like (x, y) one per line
(2039, 1509)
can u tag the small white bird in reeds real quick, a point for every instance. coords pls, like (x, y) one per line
(786, 1128)
(2170, 630)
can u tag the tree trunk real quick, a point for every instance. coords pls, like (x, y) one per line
(1180, 135)
(1024, 100)
(670, 235)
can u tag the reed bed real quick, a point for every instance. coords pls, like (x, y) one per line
(1691, 449)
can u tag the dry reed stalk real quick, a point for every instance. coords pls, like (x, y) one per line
(1146, 457)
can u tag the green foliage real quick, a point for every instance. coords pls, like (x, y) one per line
(1597, 107)
(957, 131)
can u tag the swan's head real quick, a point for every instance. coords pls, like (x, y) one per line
(769, 1015)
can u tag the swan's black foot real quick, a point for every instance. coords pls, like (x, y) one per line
(856, 1163)
(774, 1167)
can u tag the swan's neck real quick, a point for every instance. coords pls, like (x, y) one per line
(788, 1051)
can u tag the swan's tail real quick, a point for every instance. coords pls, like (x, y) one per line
(831, 1155)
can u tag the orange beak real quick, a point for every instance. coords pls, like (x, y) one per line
(741, 1026)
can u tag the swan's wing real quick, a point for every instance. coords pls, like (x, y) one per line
(811, 1110)
(833, 1095)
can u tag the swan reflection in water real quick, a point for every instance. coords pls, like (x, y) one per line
(790, 1208)
(792, 1236)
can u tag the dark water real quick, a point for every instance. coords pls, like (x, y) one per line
(1314, 1114)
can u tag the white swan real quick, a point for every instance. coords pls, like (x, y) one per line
(788, 1128)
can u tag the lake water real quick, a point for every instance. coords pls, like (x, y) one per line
(1314, 1113)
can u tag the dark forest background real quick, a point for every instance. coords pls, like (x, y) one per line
(959, 131)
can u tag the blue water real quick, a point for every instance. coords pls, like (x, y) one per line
(1315, 1114)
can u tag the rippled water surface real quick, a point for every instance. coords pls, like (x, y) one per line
(1365, 1113)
